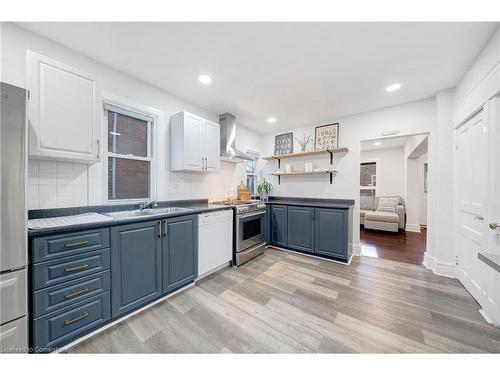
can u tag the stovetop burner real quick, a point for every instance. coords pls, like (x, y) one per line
(244, 206)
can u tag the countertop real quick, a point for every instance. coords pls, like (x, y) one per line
(344, 204)
(492, 260)
(195, 206)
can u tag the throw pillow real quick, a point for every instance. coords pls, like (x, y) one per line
(388, 204)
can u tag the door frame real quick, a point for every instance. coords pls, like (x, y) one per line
(429, 182)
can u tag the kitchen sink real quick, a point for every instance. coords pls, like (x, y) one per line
(146, 212)
(167, 210)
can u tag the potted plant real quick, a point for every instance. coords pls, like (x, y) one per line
(264, 188)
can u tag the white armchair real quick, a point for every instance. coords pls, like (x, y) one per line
(370, 218)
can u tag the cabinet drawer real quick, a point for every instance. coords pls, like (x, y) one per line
(62, 295)
(56, 246)
(65, 325)
(13, 288)
(70, 268)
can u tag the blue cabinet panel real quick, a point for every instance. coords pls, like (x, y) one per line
(62, 245)
(136, 261)
(301, 228)
(180, 252)
(279, 228)
(63, 326)
(57, 297)
(331, 233)
(267, 224)
(69, 268)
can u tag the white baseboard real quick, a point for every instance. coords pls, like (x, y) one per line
(439, 268)
(412, 228)
(311, 255)
(356, 249)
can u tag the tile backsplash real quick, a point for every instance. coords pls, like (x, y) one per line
(57, 184)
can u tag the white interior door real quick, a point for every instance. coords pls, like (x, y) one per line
(472, 189)
(491, 277)
(423, 190)
(478, 178)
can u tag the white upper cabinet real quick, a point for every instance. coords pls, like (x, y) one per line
(64, 111)
(194, 143)
(212, 146)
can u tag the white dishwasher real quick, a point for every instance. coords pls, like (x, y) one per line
(215, 241)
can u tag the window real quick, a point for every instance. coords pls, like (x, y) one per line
(368, 179)
(129, 154)
(368, 174)
(426, 169)
(251, 171)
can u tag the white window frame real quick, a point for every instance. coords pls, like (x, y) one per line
(257, 153)
(130, 110)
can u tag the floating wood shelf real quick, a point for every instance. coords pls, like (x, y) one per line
(331, 173)
(307, 153)
(301, 173)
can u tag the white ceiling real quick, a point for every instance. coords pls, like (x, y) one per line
(300, 73)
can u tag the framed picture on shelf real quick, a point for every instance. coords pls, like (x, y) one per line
(326, 137)
(283, 144)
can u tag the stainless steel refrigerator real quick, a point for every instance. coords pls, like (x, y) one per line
(13, 219)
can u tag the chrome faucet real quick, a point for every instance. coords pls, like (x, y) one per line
(146, 204)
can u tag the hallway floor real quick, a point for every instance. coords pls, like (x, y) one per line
(406, 247)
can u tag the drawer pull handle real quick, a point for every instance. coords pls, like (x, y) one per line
(74, 244)
(77, 268)
(74, 320)
(77, 293)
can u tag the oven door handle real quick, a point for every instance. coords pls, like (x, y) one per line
(243, 216)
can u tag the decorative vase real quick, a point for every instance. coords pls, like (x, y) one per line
(264, 196)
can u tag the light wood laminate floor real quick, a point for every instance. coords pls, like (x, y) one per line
(282, 302)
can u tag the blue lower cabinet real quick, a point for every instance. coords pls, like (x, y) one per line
(61, 327)
(56, 271)
(57, 297)
(180, 252)
(331, 235)
(300, 228)
(136, 263)
(279, 230)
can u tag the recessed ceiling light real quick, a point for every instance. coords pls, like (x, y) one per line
(377, 143)
(393, 87)
(206, 80)
(271, 120)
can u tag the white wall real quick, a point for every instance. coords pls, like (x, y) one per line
(409, 119)
(414, 148)
(57, 192)
(390, 169)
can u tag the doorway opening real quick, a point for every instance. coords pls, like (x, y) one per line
(393, 198)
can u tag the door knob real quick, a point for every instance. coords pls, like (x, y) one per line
(494, 225)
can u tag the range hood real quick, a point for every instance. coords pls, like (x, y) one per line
(228, 151)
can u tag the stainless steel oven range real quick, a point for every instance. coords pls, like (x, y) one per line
(249, 230)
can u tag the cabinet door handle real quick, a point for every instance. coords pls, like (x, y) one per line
(77, 268)
(98, 149)
(164, 228)
(74, 320)
(76, 293)
(74, 244)
(159, 229)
